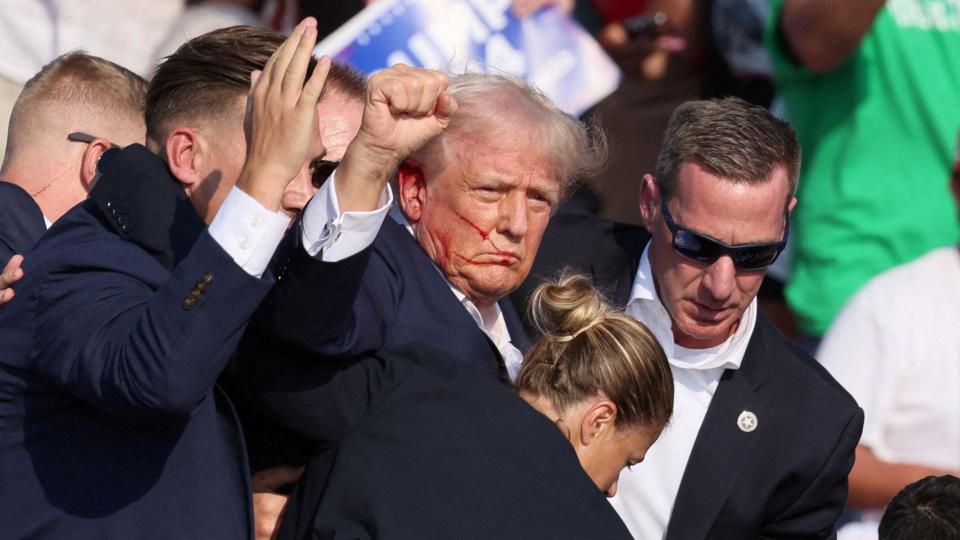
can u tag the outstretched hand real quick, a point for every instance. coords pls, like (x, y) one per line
(405, 107)
(281, 118)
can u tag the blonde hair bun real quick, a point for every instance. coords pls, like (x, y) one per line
(567, 307)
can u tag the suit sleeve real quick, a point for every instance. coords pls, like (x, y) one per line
(815, 513)
(331, 309)
(319, 402)
(129, 349)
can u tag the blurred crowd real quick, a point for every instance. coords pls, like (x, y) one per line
(247, 292)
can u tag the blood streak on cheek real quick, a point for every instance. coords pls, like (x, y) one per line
(483, 234)
(486, 236)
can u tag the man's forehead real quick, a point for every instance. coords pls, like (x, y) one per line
(339, 119)
(731, 211)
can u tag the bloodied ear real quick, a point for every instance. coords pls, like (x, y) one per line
(412, 185)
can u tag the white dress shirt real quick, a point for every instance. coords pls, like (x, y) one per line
(247, 231)
(646, 492)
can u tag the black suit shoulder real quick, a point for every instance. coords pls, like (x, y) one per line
(21, 221)
(606, 251)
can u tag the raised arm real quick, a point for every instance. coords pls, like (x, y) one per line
(321, 305)
(823, 33)
(128, 338)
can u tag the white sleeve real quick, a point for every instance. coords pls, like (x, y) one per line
(333, 236)
(247, 231)
(858, 352)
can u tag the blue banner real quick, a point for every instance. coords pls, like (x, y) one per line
(549, 49)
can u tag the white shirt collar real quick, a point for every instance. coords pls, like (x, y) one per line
(645, 306)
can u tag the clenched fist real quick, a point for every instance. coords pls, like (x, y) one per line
(405, 107)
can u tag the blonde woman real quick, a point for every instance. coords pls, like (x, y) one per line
(599, 375)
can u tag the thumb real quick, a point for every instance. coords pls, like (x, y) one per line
(446, 106)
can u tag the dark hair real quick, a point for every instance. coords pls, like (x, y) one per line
(928, 508)
(738, 141)
(588, 349)
(204, 77)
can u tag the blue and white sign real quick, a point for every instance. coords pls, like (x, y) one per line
(548, 49)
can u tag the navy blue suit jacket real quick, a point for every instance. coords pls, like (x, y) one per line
(21, 222)
(110, 424)
(319, 314)
(419, 444)
(786, 479)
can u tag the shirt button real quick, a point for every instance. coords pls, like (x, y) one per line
(255, 222)
(244, 245)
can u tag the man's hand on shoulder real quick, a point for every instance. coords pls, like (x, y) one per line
(281, 117)
(12, 273)
(405, 108)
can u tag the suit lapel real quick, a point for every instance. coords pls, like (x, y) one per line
(722, 449)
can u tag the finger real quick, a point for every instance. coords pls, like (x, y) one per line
(314, 87)
(433, 86)
(395, 95)
(277, 64)
(6, 295)
(296, 72)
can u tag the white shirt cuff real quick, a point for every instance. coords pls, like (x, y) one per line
(247, 231)
(332, 236)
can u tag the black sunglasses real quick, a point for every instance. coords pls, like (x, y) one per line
(320, 170)
(699, 248)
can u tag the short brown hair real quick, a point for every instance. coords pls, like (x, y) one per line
(204, 77)
(588, 349)
(738, 141)
(103, 89)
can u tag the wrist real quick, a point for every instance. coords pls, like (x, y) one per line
(265, 187)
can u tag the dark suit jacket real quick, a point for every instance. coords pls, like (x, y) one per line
(420, 445)
(21, 222)
(787, 478)
(389, 295)
(110, 426)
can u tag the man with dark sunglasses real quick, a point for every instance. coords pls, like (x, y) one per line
(762, 438)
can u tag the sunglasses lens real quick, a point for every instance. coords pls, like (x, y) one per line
(705, 250)
(755, 258)
(695, 247)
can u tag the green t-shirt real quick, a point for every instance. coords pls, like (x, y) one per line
(878, 136)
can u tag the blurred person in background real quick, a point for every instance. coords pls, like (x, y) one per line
(871, 88)
(34, 32)
(895, 347)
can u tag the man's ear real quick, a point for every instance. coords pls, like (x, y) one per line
(411, 184)
(598, 420)
(90, 159)
(649, 199)
(792, 205)
(184, 153)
